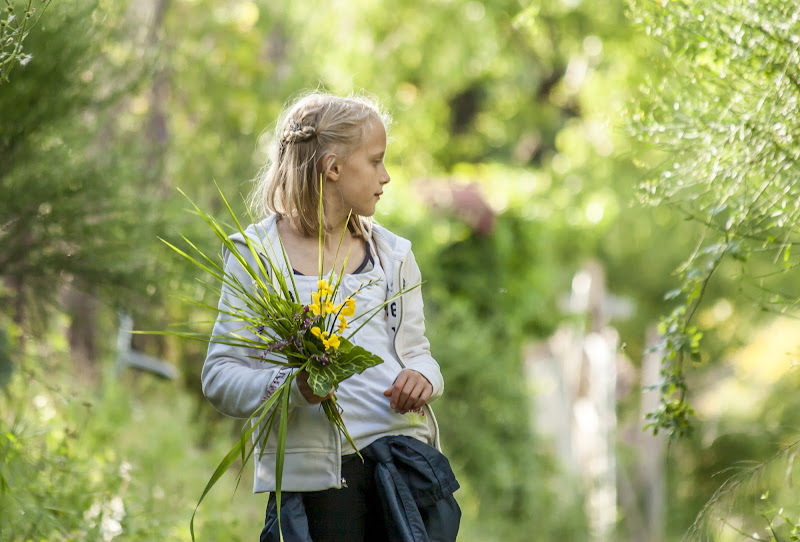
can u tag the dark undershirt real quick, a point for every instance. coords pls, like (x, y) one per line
(365, 263)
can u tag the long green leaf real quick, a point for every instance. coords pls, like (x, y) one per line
(239, 447)
(279, 456)
(191, 259)
(261, 437)
(221, 469)
(228, 243)
(371, 314)
(331, 407)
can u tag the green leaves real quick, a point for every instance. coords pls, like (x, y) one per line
(352, 360)
(720, 115)
(17, 20)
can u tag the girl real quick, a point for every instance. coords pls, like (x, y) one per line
(329, 494)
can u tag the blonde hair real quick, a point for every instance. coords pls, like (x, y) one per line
(310, 128)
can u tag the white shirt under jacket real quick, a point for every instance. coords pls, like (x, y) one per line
(237, 384)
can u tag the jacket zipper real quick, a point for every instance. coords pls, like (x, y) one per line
(400, 318)
(337, 438)
(426, 407)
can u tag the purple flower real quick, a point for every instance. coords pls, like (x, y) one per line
(260, 330)
(322, 359)
(277, 345)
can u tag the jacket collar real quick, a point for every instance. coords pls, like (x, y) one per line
(393, 245)
(264, 236)
(386, 241)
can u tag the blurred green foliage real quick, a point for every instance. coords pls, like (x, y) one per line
(485, 298)
(720, 119)
(17, 19)
(73, 209)
(122, 462)
(720, 113)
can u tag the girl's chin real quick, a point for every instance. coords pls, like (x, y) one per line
(365, 212)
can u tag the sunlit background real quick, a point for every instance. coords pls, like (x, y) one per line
(575, 178)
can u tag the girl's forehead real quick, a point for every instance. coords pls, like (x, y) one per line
(374, 135)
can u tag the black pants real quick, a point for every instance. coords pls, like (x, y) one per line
(349, 514)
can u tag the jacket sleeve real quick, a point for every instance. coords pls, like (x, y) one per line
(234, 380)
(415, 348)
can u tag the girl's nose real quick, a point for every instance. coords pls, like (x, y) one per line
(385, 178)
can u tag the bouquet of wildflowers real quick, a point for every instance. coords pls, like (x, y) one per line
(314, 337)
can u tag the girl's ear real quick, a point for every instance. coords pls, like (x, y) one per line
(331, 165)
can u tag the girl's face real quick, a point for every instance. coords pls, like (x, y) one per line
(360, 179)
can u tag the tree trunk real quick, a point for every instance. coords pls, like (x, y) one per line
(18, 287)
(81, 307)
(157, 124)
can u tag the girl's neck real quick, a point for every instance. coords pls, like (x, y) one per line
(337, 219)
(335, 230)
(304, 251)
(330, 236)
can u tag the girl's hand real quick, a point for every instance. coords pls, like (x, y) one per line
(308, 393)
(410, 391)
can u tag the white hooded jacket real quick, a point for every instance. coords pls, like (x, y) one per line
(237, 384)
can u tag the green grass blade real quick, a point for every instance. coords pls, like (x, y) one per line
(261, 412)
(283, 253)
(252, 249)
(230, 244)
(371, 314)
(261, 437)
(191, 259)
(321, 253)
(279, 457)
(221, 469)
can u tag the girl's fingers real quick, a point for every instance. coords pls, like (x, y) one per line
(395, 392)
(400, 396)
(410, 390)
(423, 396)
(412, 396)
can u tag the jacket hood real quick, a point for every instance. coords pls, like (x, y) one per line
(393, 244)
(257, 233)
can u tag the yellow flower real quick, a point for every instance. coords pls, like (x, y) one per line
(328, 342)
(333, 341)
(324, 288)
(349, 307)
(315, 308)
(342, 323)
(317, 332)
(329, 307)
